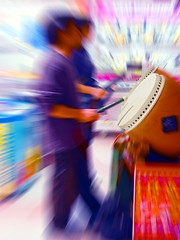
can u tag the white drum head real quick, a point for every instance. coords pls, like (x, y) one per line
(141, 101)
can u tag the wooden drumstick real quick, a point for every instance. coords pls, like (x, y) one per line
(147, 73)
(100, 110)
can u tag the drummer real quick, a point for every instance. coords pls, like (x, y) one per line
(60, 104)
(84, 67)
(85, 70)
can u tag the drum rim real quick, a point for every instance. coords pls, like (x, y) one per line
(144, 76)
(147, 73)
(146, 108)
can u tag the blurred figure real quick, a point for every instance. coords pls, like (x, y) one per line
(60, 104)
(85, 70)
(84, 67)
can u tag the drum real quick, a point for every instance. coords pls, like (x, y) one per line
(151, 113)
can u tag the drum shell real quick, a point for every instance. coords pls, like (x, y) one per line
(150, 129)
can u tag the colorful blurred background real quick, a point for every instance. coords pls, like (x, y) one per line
(129, 36)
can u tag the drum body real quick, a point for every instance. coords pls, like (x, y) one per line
(152, 113)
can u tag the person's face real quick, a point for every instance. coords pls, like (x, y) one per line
(75, 37)
(85, 30)
(72, 37)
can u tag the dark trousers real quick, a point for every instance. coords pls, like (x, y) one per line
(70, 179)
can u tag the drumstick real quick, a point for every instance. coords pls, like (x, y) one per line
(149, 71)
(100, 110)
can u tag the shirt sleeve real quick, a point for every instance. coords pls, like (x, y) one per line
(52, 90)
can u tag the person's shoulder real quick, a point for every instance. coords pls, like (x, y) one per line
(75, 54)
(57, 62)
(78, 55)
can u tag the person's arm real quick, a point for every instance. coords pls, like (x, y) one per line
(80, 115)
(53, 98)
(96, 92)
(84, 71)
(84, 89)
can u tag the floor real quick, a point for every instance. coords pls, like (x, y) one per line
(26, 217)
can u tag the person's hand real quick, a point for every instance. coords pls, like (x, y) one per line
(98, 93)
(114, 87)
(88, 115)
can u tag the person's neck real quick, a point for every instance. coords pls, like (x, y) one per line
(64, 50)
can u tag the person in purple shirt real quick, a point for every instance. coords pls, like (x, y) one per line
(59, 101)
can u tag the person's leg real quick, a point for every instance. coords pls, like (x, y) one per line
(64, 189)
(85, 184)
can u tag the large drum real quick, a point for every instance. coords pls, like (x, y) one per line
(152, 113)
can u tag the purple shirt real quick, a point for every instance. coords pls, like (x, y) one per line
(58, 87)
(83, 64)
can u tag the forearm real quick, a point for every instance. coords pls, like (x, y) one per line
(62, 111)
(84, 89)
